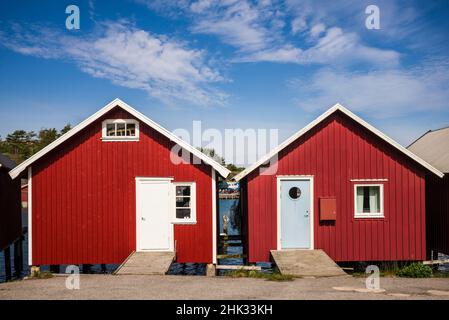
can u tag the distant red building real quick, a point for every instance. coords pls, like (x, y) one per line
(10, 212)
(433, 147)
(339, 185)
(112, 185)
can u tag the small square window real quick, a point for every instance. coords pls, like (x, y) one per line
(119, 129)
(185, 203)
(368, 201)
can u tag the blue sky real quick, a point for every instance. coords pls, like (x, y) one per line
(231, 64)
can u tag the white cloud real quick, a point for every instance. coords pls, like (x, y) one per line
(346, 47)
(380, 94)
(333, 47)
(287, 54)
(165, 68)
(200, 5)
(317, 30)
(259, 30)
(298, 24)
(237, 23)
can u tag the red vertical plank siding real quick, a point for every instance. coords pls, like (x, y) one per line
(437, 195)
(334, 152)
(84, 195)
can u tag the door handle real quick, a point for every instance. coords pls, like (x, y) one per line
(143, 219)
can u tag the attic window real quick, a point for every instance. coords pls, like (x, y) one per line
(120, 130)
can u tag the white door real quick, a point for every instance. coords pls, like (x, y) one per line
(154, 229)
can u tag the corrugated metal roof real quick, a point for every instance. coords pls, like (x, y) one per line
(6, 162)
(433, 147)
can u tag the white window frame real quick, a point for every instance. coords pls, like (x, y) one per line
(105, 137)
(362, 215)
(192, 219)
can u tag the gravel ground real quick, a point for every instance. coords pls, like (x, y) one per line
(200, 287)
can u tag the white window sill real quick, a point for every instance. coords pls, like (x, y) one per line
(184, 222)
(369, 216)
(116, 139)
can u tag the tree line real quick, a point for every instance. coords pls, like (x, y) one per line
(20, 144)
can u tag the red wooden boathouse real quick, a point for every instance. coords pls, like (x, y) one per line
(339, 185)
(112, 185)
(433, 147)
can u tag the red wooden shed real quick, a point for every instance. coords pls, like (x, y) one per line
(119, 182)
(340, 185)
(433, 147)
(10, 212)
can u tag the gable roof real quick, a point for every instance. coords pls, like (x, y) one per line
(117, 102)
(433, 146)
(5, 162)
(321, 118)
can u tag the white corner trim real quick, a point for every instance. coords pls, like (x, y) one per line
(117, 102)
(322, 117)
(30, 216)
(214, 217)
(279, 179)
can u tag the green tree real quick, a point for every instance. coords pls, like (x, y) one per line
(19, 145)
(211, 153)
(66, 129)
(234, 170)
(46, 136)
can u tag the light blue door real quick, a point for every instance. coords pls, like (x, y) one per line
(295, 214)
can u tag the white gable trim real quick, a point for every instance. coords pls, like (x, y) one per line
(117, 102)
(337, 107)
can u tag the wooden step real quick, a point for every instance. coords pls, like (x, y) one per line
(306, 263)
(147, 263)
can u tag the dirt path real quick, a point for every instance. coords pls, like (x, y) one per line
(199, 287)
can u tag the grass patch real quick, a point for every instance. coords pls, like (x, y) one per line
(440, 274)
(41, 275)
(275, 276)
(395, 269)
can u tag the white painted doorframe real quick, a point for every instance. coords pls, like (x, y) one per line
(279, 179)
(170, 199)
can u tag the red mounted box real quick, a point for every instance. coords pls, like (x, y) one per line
(328, 209)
